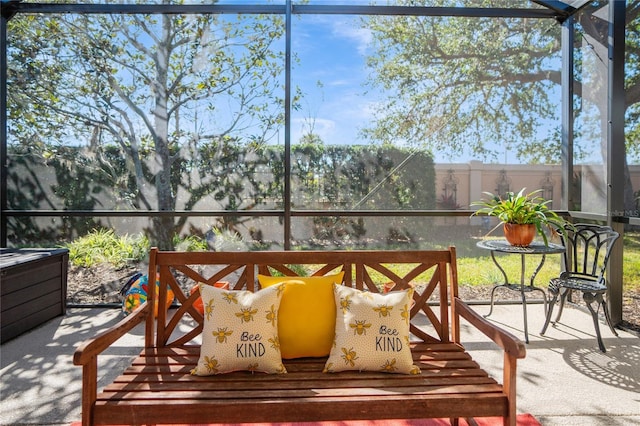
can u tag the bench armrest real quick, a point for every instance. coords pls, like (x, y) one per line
(90, 348)
(507, 341)
(513, 348)
(87, 353)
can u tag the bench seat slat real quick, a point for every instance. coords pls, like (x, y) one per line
(267, 393)
(185, 369)
(311, 409)
(289, 384)
(293, 366)
(427, 368)
(183, 376)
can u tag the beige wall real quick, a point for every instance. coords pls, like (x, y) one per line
(475, 177)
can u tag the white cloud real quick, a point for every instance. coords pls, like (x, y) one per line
(323, 127)
(351, 30)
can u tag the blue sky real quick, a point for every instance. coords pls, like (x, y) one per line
(331, 72)
(332, 50)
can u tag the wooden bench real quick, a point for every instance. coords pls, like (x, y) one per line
(159, 389)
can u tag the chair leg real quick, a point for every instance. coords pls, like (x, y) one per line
(607, 317)
(563, 298)
(552, 303)
(590, 298)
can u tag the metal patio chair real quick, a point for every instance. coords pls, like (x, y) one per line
(584, 266)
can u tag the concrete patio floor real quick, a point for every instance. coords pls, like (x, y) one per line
(564, 380)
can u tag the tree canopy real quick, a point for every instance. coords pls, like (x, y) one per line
(482, 85)
(459, 85)
(147, 83)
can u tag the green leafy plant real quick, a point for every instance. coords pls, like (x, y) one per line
(522, 209)
(190, 243)
(227, 240)
(104, 246)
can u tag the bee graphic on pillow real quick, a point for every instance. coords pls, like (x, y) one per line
(246, 314)
(360, 327)
(221, 334)
(383, 310)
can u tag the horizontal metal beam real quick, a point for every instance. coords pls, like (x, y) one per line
(480, 12)
(181, 9)
(556, 5)
(248, 213)
(474, 12)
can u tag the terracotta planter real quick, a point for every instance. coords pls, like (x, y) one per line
(519, 235)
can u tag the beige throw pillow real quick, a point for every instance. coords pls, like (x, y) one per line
(240, 331)
(372, 332)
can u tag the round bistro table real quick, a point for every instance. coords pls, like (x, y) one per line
(502, 246)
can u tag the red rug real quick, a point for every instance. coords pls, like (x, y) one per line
(523, 420)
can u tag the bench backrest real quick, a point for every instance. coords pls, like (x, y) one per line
(431, 273)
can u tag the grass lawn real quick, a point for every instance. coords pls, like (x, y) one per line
(481, 271)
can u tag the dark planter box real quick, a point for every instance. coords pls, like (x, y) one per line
(33, 288)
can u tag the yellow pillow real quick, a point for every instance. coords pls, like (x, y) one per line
(307, 315)
(372, 332)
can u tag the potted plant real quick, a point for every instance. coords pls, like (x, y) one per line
(522, 215)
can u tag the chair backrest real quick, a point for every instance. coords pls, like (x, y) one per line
(588, 250)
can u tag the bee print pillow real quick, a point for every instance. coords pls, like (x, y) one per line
(240, 331)
(372, 332)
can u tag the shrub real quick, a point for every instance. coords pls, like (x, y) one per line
(104, 246)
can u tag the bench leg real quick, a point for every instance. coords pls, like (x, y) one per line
(89, 390)
(509, 383)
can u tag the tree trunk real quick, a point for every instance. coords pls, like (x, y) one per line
(164, 226)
